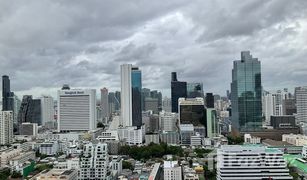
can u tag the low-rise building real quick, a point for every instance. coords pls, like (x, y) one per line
(7, 154)
(49, 148)
(170, 137)
(172, 170)
(248, 139)
(56, 174)
(295, 139)
(22, 158)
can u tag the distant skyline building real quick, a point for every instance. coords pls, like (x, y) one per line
(192, 111)
(209, 100)
(131, 102)
(301, 104)
(168, 121)
(76, 110)
(7, 95)
(178, 90)
(246, 93)
(104, 104)
(47, 109)
(30, 110)
(195, 89)
(6, 127)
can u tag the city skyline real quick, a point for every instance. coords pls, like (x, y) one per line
(174, 36)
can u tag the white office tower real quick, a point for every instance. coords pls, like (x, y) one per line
(250, 162)
(301, 104)
(126, 95)
(104, 104)
(272, 104)
(94, 161)
(77, 110)
(47, 109)
(268, 106)
(172, 170)
(167, 121)
(6, 127)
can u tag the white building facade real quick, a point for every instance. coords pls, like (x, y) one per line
(77, 110)
(172, 170)
(301, 104)
(251, 162)
(167, 121)
(47, 109)
(94, 162)
(126, 95)
(6, 127)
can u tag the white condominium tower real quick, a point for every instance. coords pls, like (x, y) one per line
(94, 161)
(301, 104)
(6, 127)
(76, 110)
(250, 162)
(47, 109)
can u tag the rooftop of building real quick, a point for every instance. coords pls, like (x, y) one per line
(170, 164)
(295, 161)
(271, 142)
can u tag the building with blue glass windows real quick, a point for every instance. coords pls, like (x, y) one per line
(246, 93)
(131, 93)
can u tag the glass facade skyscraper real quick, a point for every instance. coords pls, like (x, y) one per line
(178, 90)
(195, 90)
(136, 82)
(7, 95)
(131, 96)
(246, 93)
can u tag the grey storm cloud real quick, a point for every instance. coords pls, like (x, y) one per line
(46, 43)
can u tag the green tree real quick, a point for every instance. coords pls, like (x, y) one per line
(100, 125)
(5, 173)
(127, 165)
(16, 174)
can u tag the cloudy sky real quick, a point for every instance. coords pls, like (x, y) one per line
(46, 43)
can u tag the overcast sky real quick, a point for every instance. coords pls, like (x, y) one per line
(46, 43)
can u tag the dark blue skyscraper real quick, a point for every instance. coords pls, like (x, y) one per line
(136, 82)
(246, 93)
(178, 90)
(7, 95)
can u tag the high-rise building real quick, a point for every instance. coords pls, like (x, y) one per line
(30, 110)
(167, 104)
(29, 129)
(289, 106)
(151, 104)
(212, 123)
(76, 110)
(7, 95)
(195, 90)
(47, 109)
(178, 90)
(251, 162)
(111, 99)
(131, 102)
(16, 108)
(6, 127)
(104, 104)
(117, 100)
(192, 111)
(301, 104)
(94, 161)
(167, 121)
(209, 100)
(246, 93)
